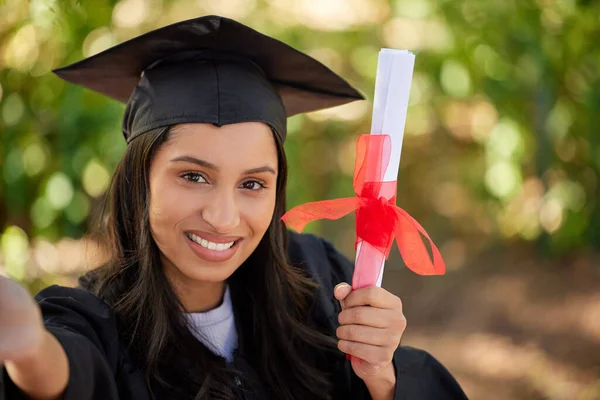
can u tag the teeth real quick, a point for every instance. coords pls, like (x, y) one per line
(210, 245)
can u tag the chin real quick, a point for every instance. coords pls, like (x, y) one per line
(211, 274)
(208, 276)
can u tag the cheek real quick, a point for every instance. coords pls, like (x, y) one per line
(167, 208)
(260, 215)
(159, 219)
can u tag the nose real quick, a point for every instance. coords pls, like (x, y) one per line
(221, 212)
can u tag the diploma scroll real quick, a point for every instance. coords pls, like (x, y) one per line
(390, 106)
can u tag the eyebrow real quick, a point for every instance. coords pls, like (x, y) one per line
(206, 164)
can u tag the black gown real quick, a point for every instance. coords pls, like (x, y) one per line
(100, 368)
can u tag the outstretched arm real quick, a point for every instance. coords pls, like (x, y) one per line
(34, 359)
(65, 347)
(43, 374)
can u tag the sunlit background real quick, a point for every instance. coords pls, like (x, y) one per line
(500, 164)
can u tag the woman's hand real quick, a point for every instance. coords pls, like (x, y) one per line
(33, 357)
(371, 326)
(21, 327)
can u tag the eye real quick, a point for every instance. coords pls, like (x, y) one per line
(253, 185)
(193, 177)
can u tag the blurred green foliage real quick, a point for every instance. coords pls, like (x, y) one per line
(501, 144)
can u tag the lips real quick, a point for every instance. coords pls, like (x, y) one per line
(210, 244)
(213, 248)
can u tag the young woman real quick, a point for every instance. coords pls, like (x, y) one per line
(206, 296)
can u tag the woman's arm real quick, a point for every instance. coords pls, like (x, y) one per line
(65, 347)
(33, 358)
(415, 373)
(383, 386)
(43, 374)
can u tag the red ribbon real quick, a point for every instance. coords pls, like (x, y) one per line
(378, 220)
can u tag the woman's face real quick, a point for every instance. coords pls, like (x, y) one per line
(212, 197)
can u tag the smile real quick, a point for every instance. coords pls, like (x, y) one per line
(208, 244)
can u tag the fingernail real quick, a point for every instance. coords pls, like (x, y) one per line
(339, 285)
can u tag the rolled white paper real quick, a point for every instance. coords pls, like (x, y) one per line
(390, 106)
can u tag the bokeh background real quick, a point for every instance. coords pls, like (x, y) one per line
(500, 164)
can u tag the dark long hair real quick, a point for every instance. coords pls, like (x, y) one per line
(271, 297)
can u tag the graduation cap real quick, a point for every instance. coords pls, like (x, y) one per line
(209, 69)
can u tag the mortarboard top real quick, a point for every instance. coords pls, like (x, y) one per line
(209, 69)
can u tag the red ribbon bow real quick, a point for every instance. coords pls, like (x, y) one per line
(378, 219)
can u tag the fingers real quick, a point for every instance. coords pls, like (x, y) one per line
(373, 296)
(375, 355)
(368, 335)
(371, 327)
(373, 317)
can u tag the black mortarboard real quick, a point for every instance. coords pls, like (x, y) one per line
(209, 69)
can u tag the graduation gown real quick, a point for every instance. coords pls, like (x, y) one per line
(100, 368)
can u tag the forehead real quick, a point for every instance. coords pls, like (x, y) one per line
(234, 144)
